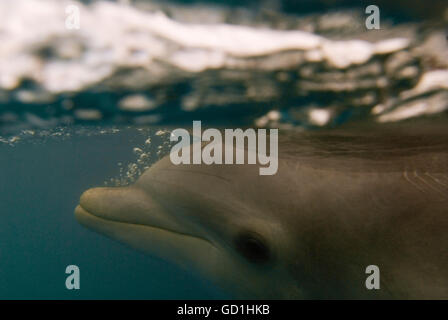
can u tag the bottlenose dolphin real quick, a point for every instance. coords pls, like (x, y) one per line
(340, 201)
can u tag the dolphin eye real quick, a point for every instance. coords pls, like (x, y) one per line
(252, 247)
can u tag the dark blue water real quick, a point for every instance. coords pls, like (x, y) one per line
(41, 182)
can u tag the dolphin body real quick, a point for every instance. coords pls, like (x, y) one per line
(340, 201)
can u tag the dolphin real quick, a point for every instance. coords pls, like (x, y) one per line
(341, 200)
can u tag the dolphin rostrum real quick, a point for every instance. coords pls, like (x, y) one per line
(340, 201)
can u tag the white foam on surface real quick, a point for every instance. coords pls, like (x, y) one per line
(114, 35)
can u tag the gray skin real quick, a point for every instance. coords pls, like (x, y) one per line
(340, 201)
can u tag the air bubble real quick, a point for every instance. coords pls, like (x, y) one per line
(138, 151)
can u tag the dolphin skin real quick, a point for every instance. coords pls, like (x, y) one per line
(341, 200)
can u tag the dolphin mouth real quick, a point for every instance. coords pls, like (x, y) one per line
(187, 251)
(98, 221)
(133, 217)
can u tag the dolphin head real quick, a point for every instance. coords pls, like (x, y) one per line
(210, 220)
(337, 204)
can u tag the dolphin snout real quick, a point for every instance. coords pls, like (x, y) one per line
(124, 204)
(88, 197)
(113, 203)
(99, 201)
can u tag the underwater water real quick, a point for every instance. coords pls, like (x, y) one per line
(41, 181)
